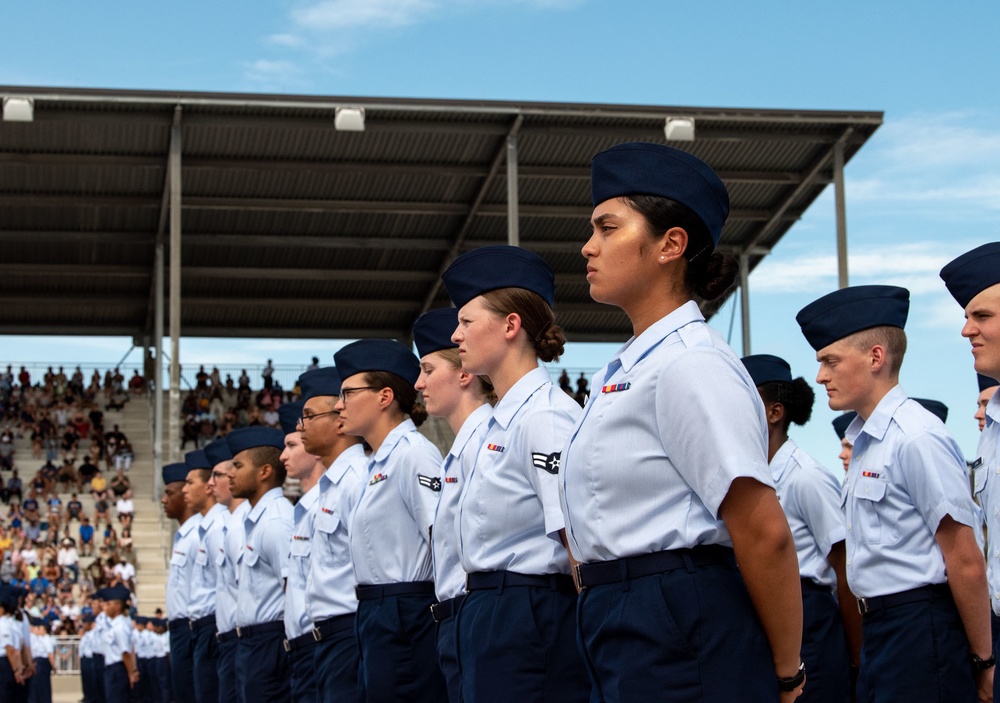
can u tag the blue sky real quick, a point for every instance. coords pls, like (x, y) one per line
(924, 189)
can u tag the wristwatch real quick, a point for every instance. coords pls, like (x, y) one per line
(790, 683)
(980, 664)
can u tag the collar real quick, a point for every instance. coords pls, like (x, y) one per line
(877, 425)
(306, 502)
(518, 395)
(993, 410)
(338, 469)
(392, 439)
(468, 428)
(783, 459)
(638, 347)
(265, 500)
(189, 524)
(214, 515)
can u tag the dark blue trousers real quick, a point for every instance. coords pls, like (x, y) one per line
(7, 682)
(98, 678)
(995, 627)
(398, 654)
(161, 671)
(687, 636)
(916, 652)
(205, 665)
(182, 663)
(518, 643)
(447, 648)
(336, 662)
(116, 688)
(262, 668)
(302, 665)
(145, 690)
(87, 679)
(40, 685)
(824, 647)
(229, 691)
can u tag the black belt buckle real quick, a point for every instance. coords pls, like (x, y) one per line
(239, 632)
(317, 635)
(434, 612)
(863, 606)
(191, 624)
(288, 645)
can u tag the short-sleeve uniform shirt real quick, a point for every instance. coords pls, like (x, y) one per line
(986, 474)
(263, 565)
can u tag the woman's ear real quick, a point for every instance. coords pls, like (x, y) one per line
(672, 245)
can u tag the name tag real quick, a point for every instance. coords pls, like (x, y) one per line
(977, 463)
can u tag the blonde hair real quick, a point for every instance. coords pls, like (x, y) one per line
(485, 385)
(892, 339)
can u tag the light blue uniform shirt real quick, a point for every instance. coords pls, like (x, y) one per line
(102, 623)
(390, 527)
(810, 497)
(986, 466)
(205, 578)
(7, 627)
(508, 514)
(672, 420)
(227, 563)
(84, 648)
(42, 646)
(906, 474)
(263, 565)
(330, 587)
(145, 644)
(117, 640)
(449, 576)
(297, 621)
(181, 573)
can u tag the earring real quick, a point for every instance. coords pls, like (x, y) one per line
(663, 258)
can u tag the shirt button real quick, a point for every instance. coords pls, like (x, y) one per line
(849, 563)
(848, 526)
(997, 595)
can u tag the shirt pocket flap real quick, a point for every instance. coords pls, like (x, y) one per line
(220, 558)
(300, 547)
(980, 476)
(870, 488)
(178, 558)
(326, 521)
(202, 558)
(249, 557)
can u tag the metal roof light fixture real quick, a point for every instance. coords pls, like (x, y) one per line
(679, 129)
(349, 119)
(18, 109)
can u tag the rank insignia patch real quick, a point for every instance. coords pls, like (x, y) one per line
(546, 462)
(377, 478)
(432, 482)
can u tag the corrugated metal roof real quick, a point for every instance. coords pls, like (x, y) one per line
(292, 228)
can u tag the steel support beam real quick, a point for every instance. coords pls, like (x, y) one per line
(513, 219)
(745, 300)
(841, 213)
(175, 289)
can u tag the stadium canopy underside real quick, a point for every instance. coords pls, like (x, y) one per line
(290, 227)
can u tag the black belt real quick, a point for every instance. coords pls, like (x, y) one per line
(914, 595)
(621, 570)
(810, 585)
(446, 608)
(332, 626)
(202, 622)
(261, 629)
(367, 592)
(221, 637)
(482, 580)
(178, 623)
(300, 641)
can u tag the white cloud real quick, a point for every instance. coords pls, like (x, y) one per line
(353, 14)
(291, 41)
(280, 73)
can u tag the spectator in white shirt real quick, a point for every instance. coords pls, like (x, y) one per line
(125, 508)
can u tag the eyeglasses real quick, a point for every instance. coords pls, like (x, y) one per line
(346, 392)
(219, 475)
(302, 420)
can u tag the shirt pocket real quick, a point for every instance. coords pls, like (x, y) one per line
(301, 548)
(326, 521)
(201, 559)
(178, 560)
(869, 494)
(980, 477)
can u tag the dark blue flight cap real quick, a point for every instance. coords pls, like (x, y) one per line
(972, 272)
(641, 168)
(377, 355)
(116, 593)
(217, 451)
(140, 620)
(250, 437)
(158, 622)
(986, 382)
(432, 331)
(289, 414)
(935, 407)
(172, 473)
(89, 617)
(36, 622)
(490, 268)
(841, 422)
(8, 597)
(324, 381)
(197, 459)
(848, 310)
(767, 368)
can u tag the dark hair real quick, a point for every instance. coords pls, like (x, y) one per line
(537, 319)
(204, 474)
(797, 397)
(709, 274)
(404, 394)
(269, 455)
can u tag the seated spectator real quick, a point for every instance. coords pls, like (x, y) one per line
(13, 488)
(86, 537)
(69, 559)
(270, 417)
(6, 541)
(74, 508)
(33, 529)
(39, 485)
(125, 543)
(52, 572)
(55, 512)
(137, 384)
(68, 475)
(125, 509)
(100, 510)
(40, 585)
(189, 432)
(30, 507)
(88, 469)
(120, 485)
(126, 573)
(124, 456)
(99, 487)
(29, 555)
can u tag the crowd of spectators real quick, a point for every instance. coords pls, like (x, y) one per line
(59, 549)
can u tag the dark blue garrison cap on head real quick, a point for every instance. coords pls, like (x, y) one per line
(986, 382)
(289, 414)
(972, 272)
(217, 451)
(116, 593)
(172, 473)
(849, 310)
(641, 168)
(324, 381)
(767, 368)
(377, 355)
(197, 460)
(250, 437)
(432, 331)
(841, 422)
(935, 407)
(490, 268)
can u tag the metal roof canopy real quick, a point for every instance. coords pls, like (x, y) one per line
(291, 228)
